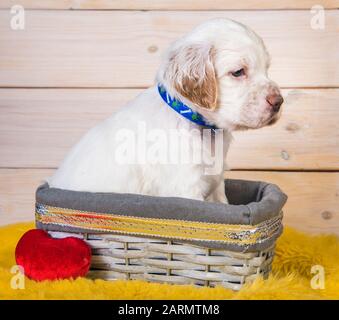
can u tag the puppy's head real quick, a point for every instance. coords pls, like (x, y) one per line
(220, 70)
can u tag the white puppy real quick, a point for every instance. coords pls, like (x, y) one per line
(219, 72)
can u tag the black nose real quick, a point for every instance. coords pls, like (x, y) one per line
(275, 100)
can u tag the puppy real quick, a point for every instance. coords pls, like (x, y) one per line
(215, 79)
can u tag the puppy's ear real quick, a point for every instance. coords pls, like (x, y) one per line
(190, 71)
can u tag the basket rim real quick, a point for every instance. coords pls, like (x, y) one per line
(267, 202)
(239, 227)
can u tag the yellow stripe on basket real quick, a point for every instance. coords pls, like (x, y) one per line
(167, 228)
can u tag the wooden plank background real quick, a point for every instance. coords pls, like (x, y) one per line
(69, 69)
(47, 122)
(123, 48)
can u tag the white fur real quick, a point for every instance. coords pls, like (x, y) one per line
(241, 103)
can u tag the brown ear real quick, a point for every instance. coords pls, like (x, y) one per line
(194, 75)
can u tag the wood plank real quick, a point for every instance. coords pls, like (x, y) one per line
(169, 4)
(313, 203)
(104, 49)
(17, 190)
(39, 126)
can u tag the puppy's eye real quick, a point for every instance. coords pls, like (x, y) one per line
(238, 73)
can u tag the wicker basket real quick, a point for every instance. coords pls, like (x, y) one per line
(193, 255)
(124, 257)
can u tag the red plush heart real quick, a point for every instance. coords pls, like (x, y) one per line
(46, 258)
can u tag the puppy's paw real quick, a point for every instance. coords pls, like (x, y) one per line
(219, 197)
(222, 199)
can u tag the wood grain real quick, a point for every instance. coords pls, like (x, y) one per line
(123, 49)
(17, 194)
(39, 126)
(169, 4)
(313, 203)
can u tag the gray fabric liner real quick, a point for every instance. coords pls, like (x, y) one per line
(251, 202)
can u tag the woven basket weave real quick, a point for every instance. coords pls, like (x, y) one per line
(124, 257)
(206, 244)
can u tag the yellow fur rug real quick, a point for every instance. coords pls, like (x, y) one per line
(291, 277)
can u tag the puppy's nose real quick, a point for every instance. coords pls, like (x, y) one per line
(275, 100)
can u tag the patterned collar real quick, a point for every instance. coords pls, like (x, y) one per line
(183, 109)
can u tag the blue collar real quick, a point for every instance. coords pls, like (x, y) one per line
(183, 109)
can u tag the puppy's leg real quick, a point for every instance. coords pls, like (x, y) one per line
(218, 194)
